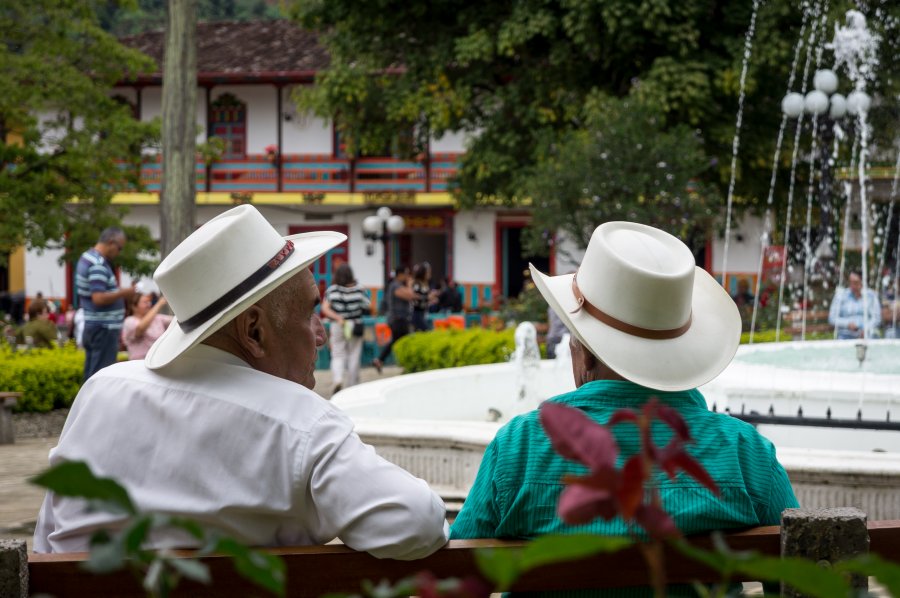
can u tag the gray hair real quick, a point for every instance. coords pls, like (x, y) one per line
(110, 234)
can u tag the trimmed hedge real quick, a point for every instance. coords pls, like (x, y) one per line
(453, 348)
(49, 378)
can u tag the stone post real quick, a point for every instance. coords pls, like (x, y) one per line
(7, 432)
(824, 536)
(13, 569)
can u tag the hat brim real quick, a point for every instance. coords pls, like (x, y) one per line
(308, 247)
(681, 363)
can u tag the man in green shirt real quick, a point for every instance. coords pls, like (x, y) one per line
(645, 322)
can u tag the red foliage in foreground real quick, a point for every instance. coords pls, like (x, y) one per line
(605, 491)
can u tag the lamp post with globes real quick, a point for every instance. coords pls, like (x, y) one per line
(826, 106)
(380, 227)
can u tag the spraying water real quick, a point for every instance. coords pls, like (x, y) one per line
(817, 11)
(765, 238)
(736, 143)
(527, 361)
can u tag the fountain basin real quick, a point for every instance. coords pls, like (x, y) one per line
(437, 424)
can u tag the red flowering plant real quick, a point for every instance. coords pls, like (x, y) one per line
(271, 153)
(606, 491)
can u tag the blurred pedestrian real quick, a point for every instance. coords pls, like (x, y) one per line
(345, 304)
(848, 307)
(425, 296)
(38, 327)
(145, 324)
(450, 296)
(399, 299)
(102, 300)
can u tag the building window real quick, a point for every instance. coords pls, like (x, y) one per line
(228, 121)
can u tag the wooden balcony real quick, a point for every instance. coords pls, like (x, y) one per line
(315, 174)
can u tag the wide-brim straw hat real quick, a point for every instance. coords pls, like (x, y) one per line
(224, 267)
(646, 310)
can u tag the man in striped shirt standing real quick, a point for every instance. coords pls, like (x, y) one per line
(102, 299)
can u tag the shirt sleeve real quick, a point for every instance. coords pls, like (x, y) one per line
(834, 313)
(781, 496)
(479, 517)
(367, 502)
(129, 326)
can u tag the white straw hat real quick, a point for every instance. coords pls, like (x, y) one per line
(645, 309)
(224, 267)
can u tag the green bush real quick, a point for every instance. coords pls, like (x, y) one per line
(453, 348)
(49, 378)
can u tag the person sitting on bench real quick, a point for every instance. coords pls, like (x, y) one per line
(219, 422)
(645, 322)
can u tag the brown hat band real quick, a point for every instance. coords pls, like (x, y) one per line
(607, 319)
(238, 291)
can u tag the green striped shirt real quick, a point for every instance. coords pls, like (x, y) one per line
(519, 480)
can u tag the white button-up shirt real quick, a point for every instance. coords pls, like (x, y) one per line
(265, 460)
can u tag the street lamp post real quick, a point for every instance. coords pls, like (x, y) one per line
(826, 106)
(380, 227)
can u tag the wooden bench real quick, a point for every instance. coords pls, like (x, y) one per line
(318, 570)
(816, 321)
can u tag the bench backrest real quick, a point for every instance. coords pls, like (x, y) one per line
(318, 570)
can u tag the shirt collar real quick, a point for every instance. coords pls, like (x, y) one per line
(208, 353)
(622, 393)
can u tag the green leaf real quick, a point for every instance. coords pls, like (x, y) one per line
(501, 566)
(555, 548)
(75, 479)
(191, 569)
(804, 575)
(265, 570)
(134, 535)
(886, 572)
(106, 556)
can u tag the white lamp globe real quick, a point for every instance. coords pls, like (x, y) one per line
(383, 212)
(838, 106)
(371, 225)
(792, 104)
(858, 101)
(816, 102)
(395, 224)
(825, 81)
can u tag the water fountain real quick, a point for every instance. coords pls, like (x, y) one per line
(437, 424)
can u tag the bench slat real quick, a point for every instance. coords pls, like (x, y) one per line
(316, 570)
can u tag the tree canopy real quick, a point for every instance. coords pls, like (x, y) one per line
(66, 144)
(526, 78)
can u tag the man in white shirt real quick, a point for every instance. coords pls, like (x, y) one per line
(220, 424)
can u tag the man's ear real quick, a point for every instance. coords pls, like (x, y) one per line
(252, 332)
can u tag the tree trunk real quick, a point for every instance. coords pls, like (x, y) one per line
(179, 126)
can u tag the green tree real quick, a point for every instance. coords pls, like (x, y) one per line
(621, 166)
(66, 144)
(520, 77)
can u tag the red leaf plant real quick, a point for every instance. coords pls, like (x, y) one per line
(605, 491)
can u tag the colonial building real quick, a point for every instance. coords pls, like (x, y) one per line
(293, 168)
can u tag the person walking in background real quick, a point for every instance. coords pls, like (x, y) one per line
(145, 324)
(399, 299)
(849, 305)
(345, 303)
(555, 331)
(102, 300)
(38, 327)
(421, 286)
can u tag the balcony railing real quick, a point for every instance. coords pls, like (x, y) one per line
(315, 174)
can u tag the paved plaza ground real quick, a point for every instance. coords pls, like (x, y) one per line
(20, 501)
